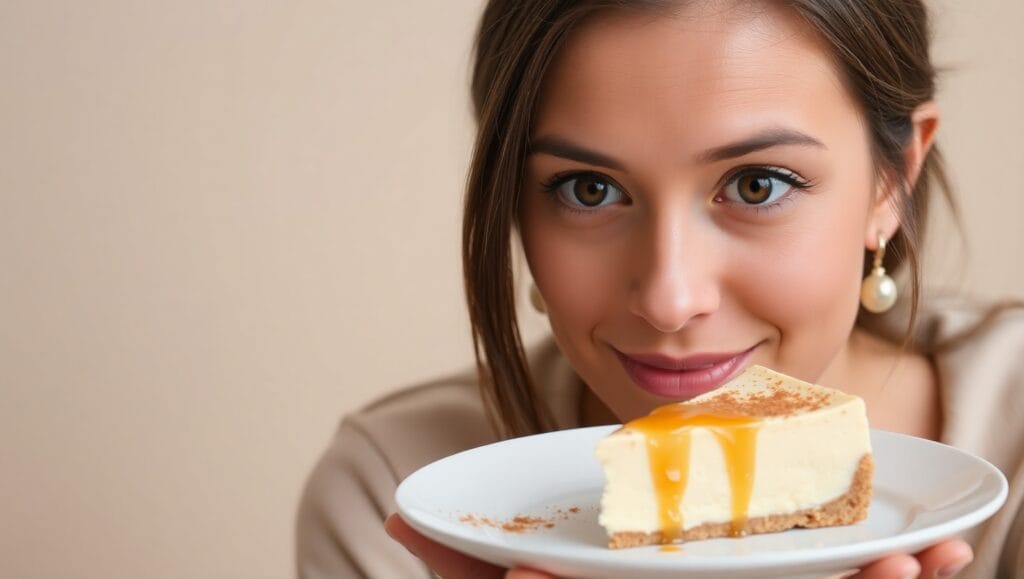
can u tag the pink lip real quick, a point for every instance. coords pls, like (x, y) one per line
(687, 377)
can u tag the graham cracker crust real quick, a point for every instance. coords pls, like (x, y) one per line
(849, 508)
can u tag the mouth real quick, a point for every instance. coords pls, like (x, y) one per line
(682, 378)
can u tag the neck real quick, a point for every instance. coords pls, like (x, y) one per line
(593, 412)
(899, 387)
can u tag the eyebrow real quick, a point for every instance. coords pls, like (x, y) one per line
(559, 147)
(766, 139)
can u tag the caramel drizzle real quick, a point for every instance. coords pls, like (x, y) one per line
(668, 432)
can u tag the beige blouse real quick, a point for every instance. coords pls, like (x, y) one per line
(351, 490)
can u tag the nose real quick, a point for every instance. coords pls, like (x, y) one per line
(674, 279)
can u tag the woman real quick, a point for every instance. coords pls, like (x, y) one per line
(698, 187)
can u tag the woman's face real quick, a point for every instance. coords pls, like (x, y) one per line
(698, 197)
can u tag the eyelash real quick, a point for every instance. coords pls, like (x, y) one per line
(798, 184)
(551, 186)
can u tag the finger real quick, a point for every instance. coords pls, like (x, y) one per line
(446, 562)
(892, 567)
(524, 573)
(945, 559)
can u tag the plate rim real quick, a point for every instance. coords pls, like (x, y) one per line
(775, 560)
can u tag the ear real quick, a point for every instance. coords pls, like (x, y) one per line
(883, 219)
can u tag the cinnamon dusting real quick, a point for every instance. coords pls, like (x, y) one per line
(520, 523)
(769, 403)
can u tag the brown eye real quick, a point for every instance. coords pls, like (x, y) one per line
(761, 187)
(589, 190)
(754, 189)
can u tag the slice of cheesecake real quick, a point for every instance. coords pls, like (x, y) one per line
(765, 452)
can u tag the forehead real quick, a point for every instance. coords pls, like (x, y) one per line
(705, 70)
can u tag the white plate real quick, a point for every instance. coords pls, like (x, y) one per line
(923, 491)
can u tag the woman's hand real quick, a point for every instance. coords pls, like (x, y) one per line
(942, 560)
(448, 563)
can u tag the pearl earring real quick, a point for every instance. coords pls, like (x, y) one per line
(878, 292)
(536, 300)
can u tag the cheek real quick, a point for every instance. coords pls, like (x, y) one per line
(580, 277)
(809, 288)
(575, 275)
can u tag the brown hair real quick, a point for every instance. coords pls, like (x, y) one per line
(880, 48)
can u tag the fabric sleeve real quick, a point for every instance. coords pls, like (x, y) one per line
(1012, 566)
(339, 529)
(1011, 542)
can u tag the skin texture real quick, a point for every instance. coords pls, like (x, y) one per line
(677, 263)
(673, 260)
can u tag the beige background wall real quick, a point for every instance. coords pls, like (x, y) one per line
(223, 224)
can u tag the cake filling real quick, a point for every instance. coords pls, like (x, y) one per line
(763, 453)
(667, 430)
